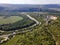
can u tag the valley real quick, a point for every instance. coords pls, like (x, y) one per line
(30, 25)
(39, 29)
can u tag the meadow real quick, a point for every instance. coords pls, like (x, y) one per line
(9, 19)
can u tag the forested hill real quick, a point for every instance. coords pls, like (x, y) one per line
(11, 9)
(26, 7)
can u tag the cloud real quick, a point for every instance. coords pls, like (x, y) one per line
(30, 1)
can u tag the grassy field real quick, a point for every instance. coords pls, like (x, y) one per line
(10, 19)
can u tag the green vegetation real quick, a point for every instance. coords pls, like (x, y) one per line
(10, 19)
(19, 22)
(13, 40)
(54, 28)
(39, 35)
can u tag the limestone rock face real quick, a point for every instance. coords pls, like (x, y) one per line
(53, 17)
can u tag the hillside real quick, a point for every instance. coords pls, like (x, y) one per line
(29, 24)
(41, 34)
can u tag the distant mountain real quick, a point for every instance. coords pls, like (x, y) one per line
(52, 6)
(10, 8)
(20, 8)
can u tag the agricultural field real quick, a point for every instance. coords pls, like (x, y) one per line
(9, 19)
(15, 22)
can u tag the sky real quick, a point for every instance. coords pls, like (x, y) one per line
(29, 1)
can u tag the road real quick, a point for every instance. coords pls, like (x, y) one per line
(6, 36)
(37, 22)
(32, 18)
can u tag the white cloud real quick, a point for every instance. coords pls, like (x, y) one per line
(30, 1)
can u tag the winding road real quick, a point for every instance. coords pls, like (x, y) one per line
(32, 18)
(6, 36)
(37, 22)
